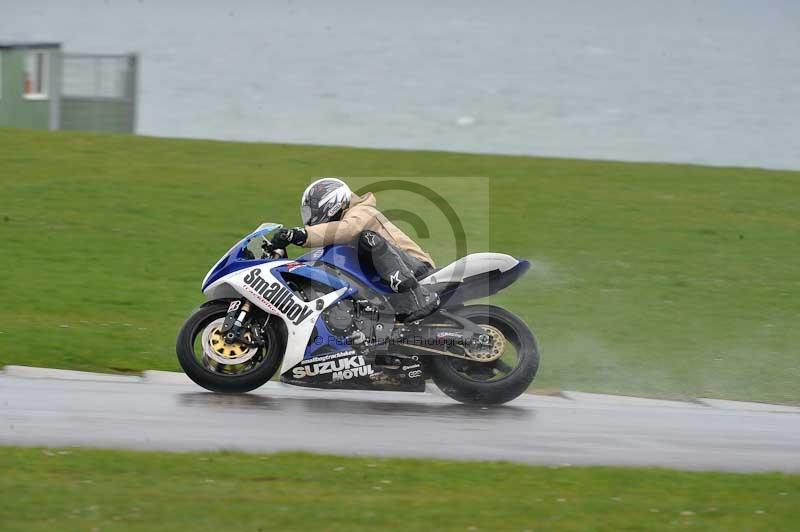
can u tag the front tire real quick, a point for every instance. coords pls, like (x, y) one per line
(270, 356)
(475, 382)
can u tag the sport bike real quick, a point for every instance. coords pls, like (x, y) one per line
(327, 320)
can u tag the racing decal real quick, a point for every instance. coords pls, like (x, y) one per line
(406, 368)
(343, 366)
(278, 296)
(293, 265)
(234, 305)
(395, 280)
(414, 374)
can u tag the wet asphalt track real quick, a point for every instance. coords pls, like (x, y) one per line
(533, 429)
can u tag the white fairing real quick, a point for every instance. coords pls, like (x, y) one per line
(260, 287)
(470, 265)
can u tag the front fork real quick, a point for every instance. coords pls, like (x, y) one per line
(239, 320)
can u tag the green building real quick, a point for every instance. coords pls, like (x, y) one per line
(43, 87)
(27, 78)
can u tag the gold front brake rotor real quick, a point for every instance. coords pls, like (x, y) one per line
(234, 350)
(215, 348)
(492, 352)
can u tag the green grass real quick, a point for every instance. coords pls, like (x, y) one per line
(113, 490)
(656, 279)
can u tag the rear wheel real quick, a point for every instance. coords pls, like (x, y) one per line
(504, 371)
(221, 367)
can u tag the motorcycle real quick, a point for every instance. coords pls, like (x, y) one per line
(327, 321)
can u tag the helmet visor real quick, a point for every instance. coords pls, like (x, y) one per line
(305, 214)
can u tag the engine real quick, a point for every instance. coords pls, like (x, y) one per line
(360, 321)
(341, 317)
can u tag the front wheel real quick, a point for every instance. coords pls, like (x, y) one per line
(506, 371)
(221, 367)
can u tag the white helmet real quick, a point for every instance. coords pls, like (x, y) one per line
(324, 201)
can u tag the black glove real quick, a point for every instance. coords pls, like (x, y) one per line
(284, 237)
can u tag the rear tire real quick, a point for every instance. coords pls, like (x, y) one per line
(509, 387)
(185, 349)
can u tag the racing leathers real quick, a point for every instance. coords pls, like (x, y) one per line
(395, 257)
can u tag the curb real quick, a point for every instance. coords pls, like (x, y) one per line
(747, 406)
(535, 399)
(625, 400)
(29, 372)
(152, 376)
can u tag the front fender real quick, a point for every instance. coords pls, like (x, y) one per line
(211, 302)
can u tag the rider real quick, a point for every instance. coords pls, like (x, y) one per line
(333, 214)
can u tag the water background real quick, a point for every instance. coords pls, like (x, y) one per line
(704, 81)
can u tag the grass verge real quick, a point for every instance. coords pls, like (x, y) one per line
(649, 279)
(77, 489)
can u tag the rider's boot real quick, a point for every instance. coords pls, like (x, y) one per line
(412, 300)
(424, 302)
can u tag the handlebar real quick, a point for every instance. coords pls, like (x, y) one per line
(271, 252)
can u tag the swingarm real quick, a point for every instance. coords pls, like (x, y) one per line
(445, 333)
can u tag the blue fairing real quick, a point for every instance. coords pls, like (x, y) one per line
(323, 337)
(345, 258)
(234, 259)
(309, 272)
(228, 266)
(341, 257)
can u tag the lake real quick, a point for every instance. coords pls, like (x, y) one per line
(712, 82)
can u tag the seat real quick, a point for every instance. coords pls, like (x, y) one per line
(470, 266)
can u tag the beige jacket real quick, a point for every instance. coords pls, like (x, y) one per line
(362, 215)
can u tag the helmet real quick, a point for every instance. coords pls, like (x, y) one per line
(324, 201)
